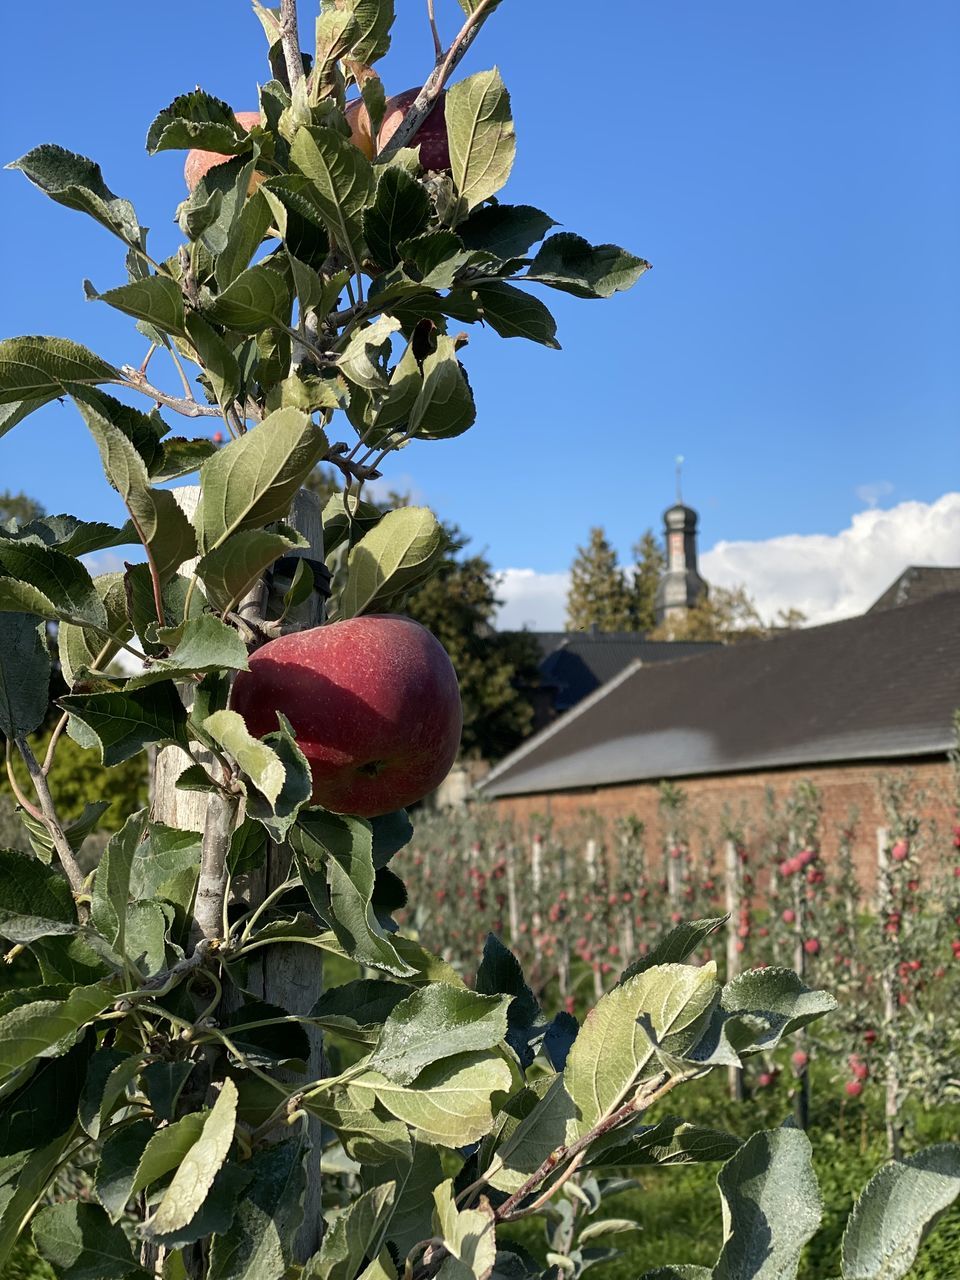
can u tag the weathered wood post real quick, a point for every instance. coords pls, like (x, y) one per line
(732, 887)
(289, 976)
(890, 986)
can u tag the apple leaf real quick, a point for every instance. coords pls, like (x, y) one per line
(80, 1240)
(574, 265)
(281, 813)
(356, 1010)
(354, 1235)
(481, 136)
(246, 236)
(344, 847)
(676, 946)
(144, 430)
(261, 764)
(260, 1243)
(198, 120)
(79, 648)
(343, 185)
(41, 368)
(181, 456)
(58, 584)
(35, 901)
(77, 183)
(393, 558)
(444, 406)
(47, 1027)
(434, 1023)
(76, 537)
(195, 1175)
(124, 723)
(16, 411)
(339, 525)
(364, 360)
(254, 300)
(507, 230)
(373, 19)
(399, 212)
(219, 361)
(157, 300)
(24, 674)
(508, 311)
(228, 572)
(205, 644)
(111, 890)
(335, 31)
(251, 482)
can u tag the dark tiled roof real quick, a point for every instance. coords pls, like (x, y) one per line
(918, 582)
(575, 663)
(879, 686)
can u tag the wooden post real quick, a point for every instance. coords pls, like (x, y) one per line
(290, 976)
(802, 1094)
(732, 886)
(889, 980)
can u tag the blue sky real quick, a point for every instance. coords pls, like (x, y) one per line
(790, 170)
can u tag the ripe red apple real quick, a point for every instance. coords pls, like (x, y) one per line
(200, 162)
(431, 137)
(853, 1088)
(374, 703)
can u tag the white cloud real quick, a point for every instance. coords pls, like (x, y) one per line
(531, 599)
(827, 576)
(831, 576)
(872, 493)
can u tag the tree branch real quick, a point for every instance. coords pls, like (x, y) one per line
(437, 45)
(290, 39)
(446, 64)
(50, 819)
(136, 381)
(212, 886)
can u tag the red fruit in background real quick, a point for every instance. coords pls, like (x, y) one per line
(799, 1059)
(217, 437)
(431, 137)
(853, 1088)
(199, 163)
(870, 1036)
(812, 946)
(900, 851)
(789, 916)
(765, 1079)
(374, 703)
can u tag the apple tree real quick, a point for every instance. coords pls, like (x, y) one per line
(164, 1109)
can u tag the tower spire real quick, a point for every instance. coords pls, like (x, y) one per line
(679, 479)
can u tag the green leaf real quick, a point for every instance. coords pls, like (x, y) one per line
(678, 1273)
(197, 120)
(157, 300)
(254, 300)
(345, 847)
(364, 360)
(45, 1107)
(205, 644)
(163, 1083)
(354, 1235)
(253, 480)
(34, 1029)
(537, 1122)
(357, 1010)
(468, 1236)
(509, 312)
(124, 723)
(339, 525)
(180, 457)
(373, 20)
(400, 210)
(415, 1177)
(279, 815)
(12, 413)
(110, 1072)
(481, 136)
(168, 1147)
(343, 185)
(119, 1157)
(24, 674)
(166, 866)
(611, 1050)
(260, 1243)
(897, 1210)
(771, 1207)
(573, 265)
(435, 1023)
(450, 1103)
(76, 537)
(507, 230)
(160, 524)
(79, 648)
(58, 579)
(18, 1202)
(682, 941)
(230, 571)
(194, 1177)
(258, 761)
(668, 1142)
(246, 236)
(393, 558)
(215, 1215)
(111, 887)
(76, 182)
(500, 974)
(219, 362)
(80, 1241)
(144, 430)
(335, 31)
(40, 368)
(444, 407)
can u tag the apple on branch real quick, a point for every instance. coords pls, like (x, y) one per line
(374, 703)
(431, 137)
(199, 163)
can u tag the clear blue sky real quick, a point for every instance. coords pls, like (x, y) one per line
(791, 170)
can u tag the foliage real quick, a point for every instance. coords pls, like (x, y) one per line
(599, 595)
(727, 615)
(649, 564)
(18, 506)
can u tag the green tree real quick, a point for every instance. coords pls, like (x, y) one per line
(727, 615)
(599, 595)
(18, 506)
(649, 565)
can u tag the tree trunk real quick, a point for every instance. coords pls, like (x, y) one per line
(289, 976)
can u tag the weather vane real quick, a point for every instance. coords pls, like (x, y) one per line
(679, 479)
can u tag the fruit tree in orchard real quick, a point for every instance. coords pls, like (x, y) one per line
(164, 1101)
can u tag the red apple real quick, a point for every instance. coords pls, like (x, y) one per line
(431, 137)
(200, 162)
(374, 703)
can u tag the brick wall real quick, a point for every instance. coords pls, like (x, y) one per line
(842, 787)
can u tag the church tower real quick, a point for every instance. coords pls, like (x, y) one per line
(681, 586)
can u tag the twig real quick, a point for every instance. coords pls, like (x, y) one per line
(55, 737)
(135, 381)
(188, 390)
(50, 819)
(437, 44)
(428, 96)
(20, 798)
(290, 39)
(337, 456)
(162, 983)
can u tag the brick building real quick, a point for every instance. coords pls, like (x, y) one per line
(837, 704)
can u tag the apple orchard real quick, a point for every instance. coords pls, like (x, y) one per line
(238, 1046)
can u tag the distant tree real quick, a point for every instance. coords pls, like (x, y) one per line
(649, 565)
(599, 595)
(18, 506)
(727, 615)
